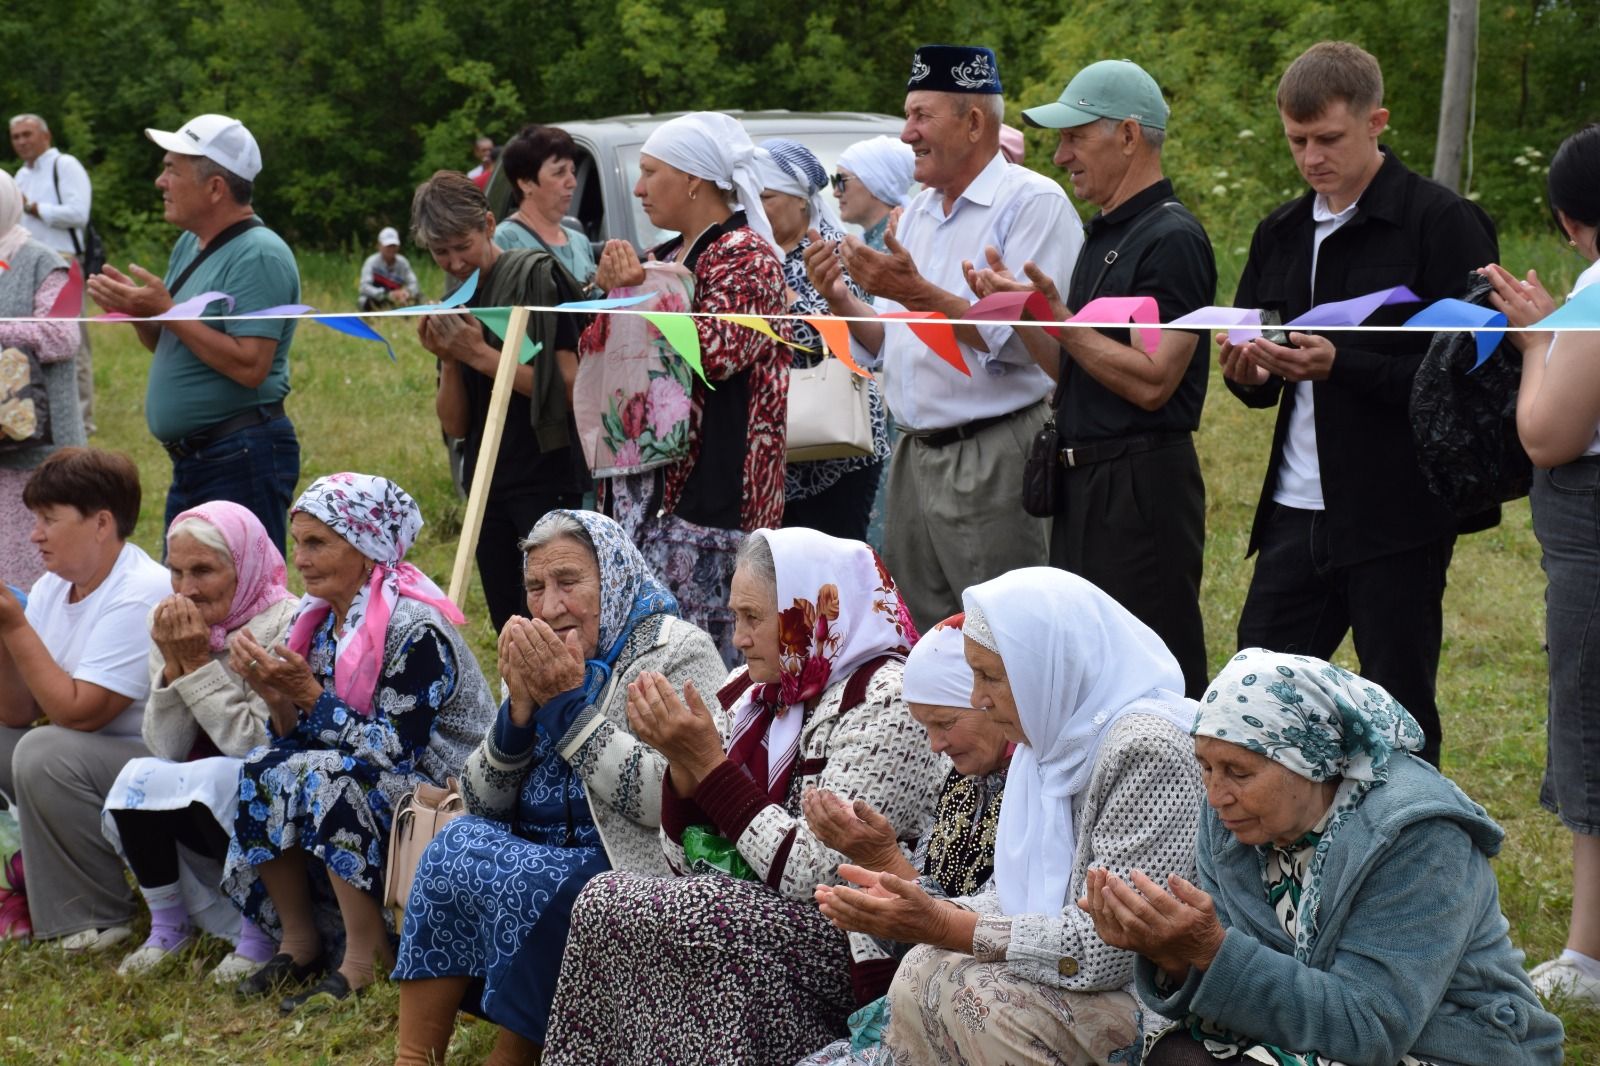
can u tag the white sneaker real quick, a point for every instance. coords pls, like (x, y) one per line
(1562, 979)
(96, 939)
(150, 957)
(233, 969)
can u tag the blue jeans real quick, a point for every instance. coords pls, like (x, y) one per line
(256, 467)
(1566, 519)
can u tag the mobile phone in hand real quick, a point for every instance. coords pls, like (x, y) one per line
(1279, 337)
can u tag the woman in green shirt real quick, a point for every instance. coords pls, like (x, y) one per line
(541, 165)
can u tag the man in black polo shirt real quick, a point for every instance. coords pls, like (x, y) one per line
(1132, 512)
(1347, 535)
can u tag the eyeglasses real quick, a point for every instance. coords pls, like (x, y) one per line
(841, 180)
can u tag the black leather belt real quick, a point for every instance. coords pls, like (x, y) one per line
(941, 437)
(184, 447)
(1101, 451)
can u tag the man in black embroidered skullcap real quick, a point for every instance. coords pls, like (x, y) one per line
(955, 478)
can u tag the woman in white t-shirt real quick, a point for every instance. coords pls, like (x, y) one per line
(1558, 419)
(73, 656)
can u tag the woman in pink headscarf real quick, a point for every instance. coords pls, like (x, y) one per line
(378, 693)
(200, 721)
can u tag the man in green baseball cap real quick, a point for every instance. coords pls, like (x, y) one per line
(1126, 417)
(1111, 88)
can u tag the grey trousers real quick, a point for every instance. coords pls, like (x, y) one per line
(955, 516)
(60, 778)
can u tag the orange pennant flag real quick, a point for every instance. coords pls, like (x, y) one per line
(836, 335)
(934, 330)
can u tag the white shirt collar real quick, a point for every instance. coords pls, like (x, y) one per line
(1321, 212)
(981, 190)
(45, 157)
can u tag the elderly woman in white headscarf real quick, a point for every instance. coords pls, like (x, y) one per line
(833, 496)
(871, 182)
(1103, 776)
(29, 286)
(697, 176)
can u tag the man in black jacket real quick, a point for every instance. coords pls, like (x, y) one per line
(1349, 537)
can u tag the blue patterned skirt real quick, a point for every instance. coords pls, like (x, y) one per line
(495, 905)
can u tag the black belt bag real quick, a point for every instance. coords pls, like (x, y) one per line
(1044, 489)
(1041, 488)
(184, 447)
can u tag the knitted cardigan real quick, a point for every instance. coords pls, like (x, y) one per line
(621, 774)
(211, 700)
(1141, 809)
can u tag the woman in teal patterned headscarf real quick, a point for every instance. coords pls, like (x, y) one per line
(1345, 909)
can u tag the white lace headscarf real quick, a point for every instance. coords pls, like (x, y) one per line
(714, 147)
(1076, 661)
(884, 165)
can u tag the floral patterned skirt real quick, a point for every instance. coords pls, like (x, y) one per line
(951, 1010)
(703, 969)
(334, 806)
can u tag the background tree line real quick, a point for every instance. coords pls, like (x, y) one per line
(355, 101)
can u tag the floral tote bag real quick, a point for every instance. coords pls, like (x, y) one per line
(631, 399)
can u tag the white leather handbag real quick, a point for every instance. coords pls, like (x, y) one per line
(830, 413)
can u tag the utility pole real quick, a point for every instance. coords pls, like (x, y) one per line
(1455, 96)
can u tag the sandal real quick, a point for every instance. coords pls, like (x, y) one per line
(279, 972)
(332, 989)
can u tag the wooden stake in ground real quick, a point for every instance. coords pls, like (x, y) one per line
(488, 451)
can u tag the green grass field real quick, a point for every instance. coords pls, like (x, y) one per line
(357, 411)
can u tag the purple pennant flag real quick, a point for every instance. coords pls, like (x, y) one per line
(1459, 314)
(281, 311)
(1244, 323)
(1354, 311)
(194, 307)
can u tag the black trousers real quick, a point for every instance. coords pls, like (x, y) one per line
(1392, 606)
(1135, 525)
(843, 509)
(150, 840)
(507, 519)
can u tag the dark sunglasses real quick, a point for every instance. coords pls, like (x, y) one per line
(841, 180)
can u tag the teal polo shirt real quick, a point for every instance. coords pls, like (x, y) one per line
(258, 270)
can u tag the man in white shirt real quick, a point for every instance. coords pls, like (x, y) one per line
(955, 513)
(55, 209)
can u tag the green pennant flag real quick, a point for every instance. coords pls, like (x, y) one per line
(680, 332)
(498, 319)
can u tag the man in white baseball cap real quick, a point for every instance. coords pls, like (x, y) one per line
(216, 390)
(387, 279)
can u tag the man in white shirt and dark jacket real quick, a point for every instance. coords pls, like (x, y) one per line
(1347, 535)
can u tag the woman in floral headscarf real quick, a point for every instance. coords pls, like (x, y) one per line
(731, 961)
(384, 695)
(560, 789)
(1345, 910)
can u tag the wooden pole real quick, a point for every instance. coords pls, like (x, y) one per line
(488, 451)
(1455, 94)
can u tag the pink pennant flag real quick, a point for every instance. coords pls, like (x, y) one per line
(1140, 309)
(1014, 307)
(69, 302)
